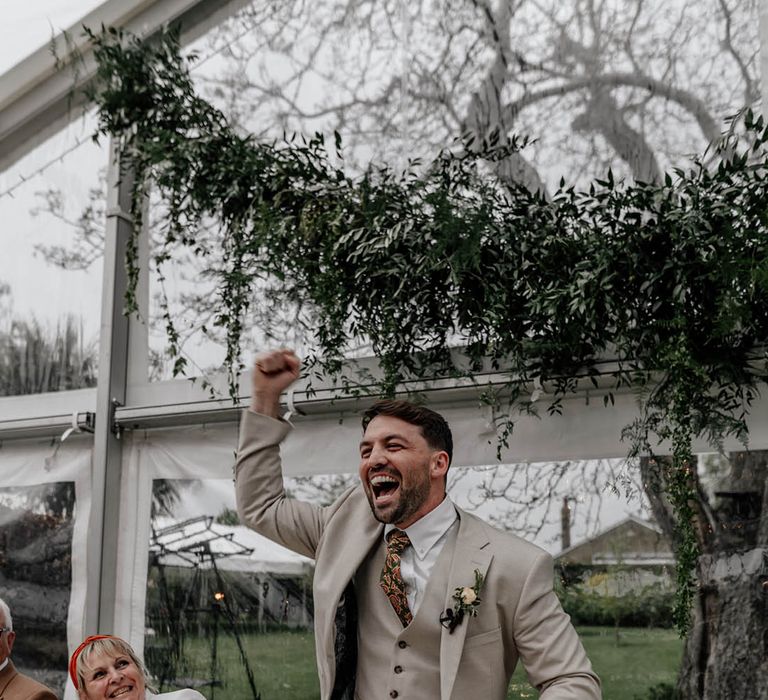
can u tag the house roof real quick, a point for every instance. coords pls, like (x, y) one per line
(616, 527)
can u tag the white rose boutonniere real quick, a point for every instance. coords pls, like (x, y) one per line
(467, 600)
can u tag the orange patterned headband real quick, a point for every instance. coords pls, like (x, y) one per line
(79, 650)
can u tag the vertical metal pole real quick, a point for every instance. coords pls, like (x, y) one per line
(764, 55)
(215, 609)
(113, 367)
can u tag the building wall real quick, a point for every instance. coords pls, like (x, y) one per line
(629, 543)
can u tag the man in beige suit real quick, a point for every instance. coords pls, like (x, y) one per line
(15, 685)
(414, 598)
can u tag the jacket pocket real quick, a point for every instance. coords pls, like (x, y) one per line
(490, 637)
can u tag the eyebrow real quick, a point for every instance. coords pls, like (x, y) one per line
(104, 666)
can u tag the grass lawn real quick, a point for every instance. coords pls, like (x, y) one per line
(283, 664)
(643, 658)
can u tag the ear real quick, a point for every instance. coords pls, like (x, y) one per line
(11, 640)
(438, 464)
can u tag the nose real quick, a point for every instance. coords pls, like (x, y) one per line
(377, 457)
(115, 675)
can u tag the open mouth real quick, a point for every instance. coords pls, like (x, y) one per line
(121, 691)
(384, 487)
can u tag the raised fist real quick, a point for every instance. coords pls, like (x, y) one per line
(273, 373)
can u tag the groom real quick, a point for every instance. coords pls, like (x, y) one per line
(414, 598)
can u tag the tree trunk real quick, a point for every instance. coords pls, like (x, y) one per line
(485, 113)
(726, 651)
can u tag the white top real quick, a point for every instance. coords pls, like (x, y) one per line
(185, 694)
(428, 536)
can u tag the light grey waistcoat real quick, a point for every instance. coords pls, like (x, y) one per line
(390, 657)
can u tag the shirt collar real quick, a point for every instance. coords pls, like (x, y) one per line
(426, 531)
(5, 663)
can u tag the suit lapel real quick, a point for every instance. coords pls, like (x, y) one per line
(6, 676)
(470, 553)
(345, 554)
(347, 541)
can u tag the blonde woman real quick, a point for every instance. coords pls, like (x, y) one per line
(104, 666)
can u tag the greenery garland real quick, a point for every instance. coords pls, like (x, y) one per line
(668, 279)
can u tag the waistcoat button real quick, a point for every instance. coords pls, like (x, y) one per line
(393, 693)
(398, 669)
(402, 644)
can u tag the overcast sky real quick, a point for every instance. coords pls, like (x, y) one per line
(48, 293)
(39, 290)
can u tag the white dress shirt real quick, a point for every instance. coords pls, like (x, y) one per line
(4, 664)
(428, 536)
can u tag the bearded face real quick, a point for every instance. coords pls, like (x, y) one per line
(401, 474)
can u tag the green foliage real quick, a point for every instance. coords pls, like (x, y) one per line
(651, 606)
(662, 691)
(165, 496)
(228, 516)
(34, 360)
(668, 280)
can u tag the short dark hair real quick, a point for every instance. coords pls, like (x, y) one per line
(434, 428)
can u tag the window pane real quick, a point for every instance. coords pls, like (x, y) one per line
(35, 575)
(635, 86)
(52, 211)
(206, 590)
(227, 612)
(614, 569)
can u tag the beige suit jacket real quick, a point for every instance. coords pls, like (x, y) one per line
(17, 686)
(519, 617)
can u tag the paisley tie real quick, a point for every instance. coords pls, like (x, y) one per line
(391, 580)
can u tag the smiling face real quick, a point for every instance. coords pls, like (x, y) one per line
(106, 675)
(7, 637)
(403, 477)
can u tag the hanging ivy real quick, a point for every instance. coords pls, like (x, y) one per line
(669, 279)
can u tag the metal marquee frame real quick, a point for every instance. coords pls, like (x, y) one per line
(36, 100)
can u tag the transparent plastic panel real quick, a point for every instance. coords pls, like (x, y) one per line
(553, 504)
(36, 525)
(614, 569)
(228, 612)
(52, 206)
(224, 605)
(637, 87)
(184, 295)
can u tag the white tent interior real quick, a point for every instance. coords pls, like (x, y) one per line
(128, 431)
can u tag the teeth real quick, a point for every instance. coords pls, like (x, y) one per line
(121, 691)
(383, 479)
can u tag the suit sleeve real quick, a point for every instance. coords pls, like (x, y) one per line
(261, 501)
(43, 695)
(549, 647)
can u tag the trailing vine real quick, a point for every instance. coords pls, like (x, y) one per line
(668, 280)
